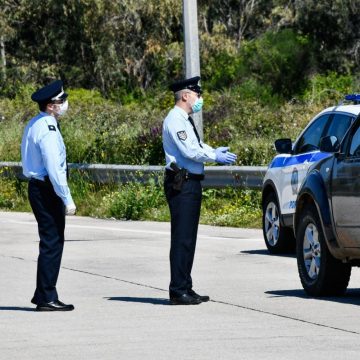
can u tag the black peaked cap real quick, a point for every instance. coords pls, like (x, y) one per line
(191, 84)
(48, 92)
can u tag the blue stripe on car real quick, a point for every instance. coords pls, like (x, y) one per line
(283, 161)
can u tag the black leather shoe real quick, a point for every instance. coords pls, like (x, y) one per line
(56, 305)
(34, 301)
(202, 298)
(184, 299)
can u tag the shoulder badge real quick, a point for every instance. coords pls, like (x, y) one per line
(52, 127)
(182, 135)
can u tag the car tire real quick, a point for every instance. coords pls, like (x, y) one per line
(320, 273)
(278, 238)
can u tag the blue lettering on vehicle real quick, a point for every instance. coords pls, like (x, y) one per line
(292, 204)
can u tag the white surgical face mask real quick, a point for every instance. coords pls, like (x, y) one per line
(63, 108)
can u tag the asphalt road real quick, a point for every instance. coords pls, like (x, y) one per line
(116, 274)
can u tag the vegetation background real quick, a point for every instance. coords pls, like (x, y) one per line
(267, 67)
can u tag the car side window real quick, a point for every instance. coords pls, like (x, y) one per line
(355, 144)
(339, 124)
(310, 139)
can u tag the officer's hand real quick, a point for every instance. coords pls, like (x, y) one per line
(70, 209)
(223, 156)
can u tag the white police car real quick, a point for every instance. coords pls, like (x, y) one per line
(288, 169)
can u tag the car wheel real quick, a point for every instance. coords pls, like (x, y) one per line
(320, 273)
(278, 239)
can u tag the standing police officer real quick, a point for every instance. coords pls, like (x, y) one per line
(44, 164)
(185, 154)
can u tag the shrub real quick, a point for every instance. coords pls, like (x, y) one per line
(131, 200)
(13, 194)
(330, 87)
(219, 59)
(231, 207)
(278, 59)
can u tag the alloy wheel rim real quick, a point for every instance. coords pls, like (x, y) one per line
(312, 251)
(272, 224)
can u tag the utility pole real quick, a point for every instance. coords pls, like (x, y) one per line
(192, 57)
(3, 58)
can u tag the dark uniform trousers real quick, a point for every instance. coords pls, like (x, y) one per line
(49, 211)
(185, 208)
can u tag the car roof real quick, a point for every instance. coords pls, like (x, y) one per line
(351, 109)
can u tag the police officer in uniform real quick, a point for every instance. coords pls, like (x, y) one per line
(44, 164)
(185, 155)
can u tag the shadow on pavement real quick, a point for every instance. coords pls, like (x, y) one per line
(265, 252)
(153, 301)
(352, 296)
(16, 308)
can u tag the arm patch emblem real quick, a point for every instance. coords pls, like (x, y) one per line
(182, 135)
(52, 127)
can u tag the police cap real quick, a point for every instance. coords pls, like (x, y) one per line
(51, 92)
(191, 84)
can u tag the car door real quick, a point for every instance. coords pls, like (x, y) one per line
(294, 168)
(346, 191)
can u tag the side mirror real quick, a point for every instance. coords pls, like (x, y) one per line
(283, 146)
(329, 144)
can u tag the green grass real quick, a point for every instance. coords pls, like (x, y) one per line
(135, 201)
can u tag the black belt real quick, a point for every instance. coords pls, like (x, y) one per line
(191, 176)
(46, 181)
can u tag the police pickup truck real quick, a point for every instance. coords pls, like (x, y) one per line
(327, 216)
(288, 169)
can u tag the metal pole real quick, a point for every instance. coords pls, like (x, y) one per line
(3, 57)
(192, 57)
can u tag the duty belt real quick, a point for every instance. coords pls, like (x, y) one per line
(189, 175)
(45, 182)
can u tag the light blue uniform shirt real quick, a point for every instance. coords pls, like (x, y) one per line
(43, 153)
(181, 144)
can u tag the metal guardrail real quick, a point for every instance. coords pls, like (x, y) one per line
(215, 176)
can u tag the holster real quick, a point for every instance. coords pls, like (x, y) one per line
(181, 175)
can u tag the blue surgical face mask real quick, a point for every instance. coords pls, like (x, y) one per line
(197, 105)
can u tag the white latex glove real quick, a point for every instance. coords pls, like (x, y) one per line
(70, 209)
